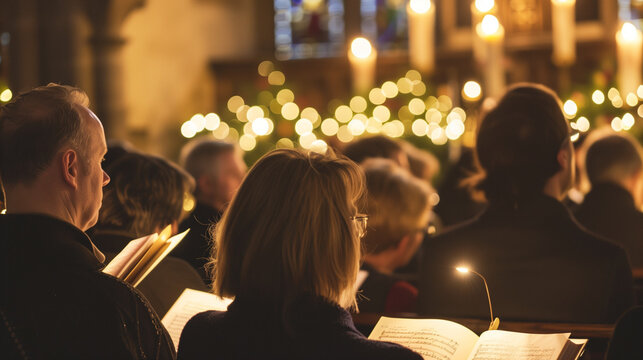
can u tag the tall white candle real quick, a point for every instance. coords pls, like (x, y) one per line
(563, 25)
(492, 34)
(362, 57)
(480, 8)
(421, 20)
(629, 42)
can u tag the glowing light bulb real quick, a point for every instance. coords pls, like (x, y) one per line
(462, 269)
(212, 121)
(598, 97)
(484, 5)
(329, 127)
(489, 25)
(247, 142)
(6, 95)
(420, 6)
(303, 126)
(361, 48)
(188, 129)
(583, 124)
(471, 91)
(261, 126)
(570, 108)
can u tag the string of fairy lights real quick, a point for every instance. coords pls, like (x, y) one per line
(422, 114)
(276, 119)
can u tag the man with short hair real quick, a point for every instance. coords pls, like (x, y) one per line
(611, 209)
(540, 265)
(55, 302)
(217, 168)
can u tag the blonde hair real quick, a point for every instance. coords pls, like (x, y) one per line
(398, 204)
(288, 231)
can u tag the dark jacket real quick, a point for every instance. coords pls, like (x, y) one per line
(312, 328)
(627, 340)
(165, 283)
(383, 293)
(57, 304)
(539, 263)
(609, 210)
(195, 247)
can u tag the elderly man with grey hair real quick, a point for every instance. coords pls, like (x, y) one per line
(218, 169)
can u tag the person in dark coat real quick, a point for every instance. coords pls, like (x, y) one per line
(399, 211)
(217, 168)
(540, 264)
(626, 343)
(145, 194)
(55, 303)
(291, 266)
(611, 209)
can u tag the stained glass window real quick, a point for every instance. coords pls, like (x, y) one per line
(384, 21)
(308, 28)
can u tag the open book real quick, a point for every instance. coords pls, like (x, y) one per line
(190, 303)
(142, 255)
(446, 340)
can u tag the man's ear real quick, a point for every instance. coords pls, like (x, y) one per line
(70, 167)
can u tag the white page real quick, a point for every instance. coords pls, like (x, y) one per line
(507, 345)
(132, 252)
(433, 339)
(190, 303)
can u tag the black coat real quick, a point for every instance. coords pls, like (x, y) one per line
(609, 210)
(57, 304)
(539, 263)
(163, 285)
(312, 329)
(195, 247)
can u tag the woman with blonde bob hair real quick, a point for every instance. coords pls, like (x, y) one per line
(288, 250)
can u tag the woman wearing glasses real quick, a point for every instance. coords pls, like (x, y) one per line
(288, 250)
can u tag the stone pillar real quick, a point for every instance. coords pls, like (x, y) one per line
(107, 17)
(108, 101)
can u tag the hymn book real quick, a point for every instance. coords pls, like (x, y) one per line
(142, 255)
(446, 340)
(190, 303)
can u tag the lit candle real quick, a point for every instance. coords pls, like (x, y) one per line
(421, 20)
(362, 57)
(563, 24)
(628, 49)
(492, 34)
(479, 9)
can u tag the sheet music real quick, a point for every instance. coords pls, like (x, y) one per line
(433, 339)
(190, 303)
(506, 345)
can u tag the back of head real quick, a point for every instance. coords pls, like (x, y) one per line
(198, 158)
(34, 126)
(288, 230)
(145, 194)
(398, 204)
(613, 159)
(518, 143)
(374, 147)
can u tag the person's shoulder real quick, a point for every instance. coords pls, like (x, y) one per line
(201, 335)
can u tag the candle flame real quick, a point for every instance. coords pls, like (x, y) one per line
(490, 25)
(420, 6)
(484, 5)
(462, 269)
(361, 48)
(629, 31)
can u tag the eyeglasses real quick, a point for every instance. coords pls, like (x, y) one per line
(360, 222)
